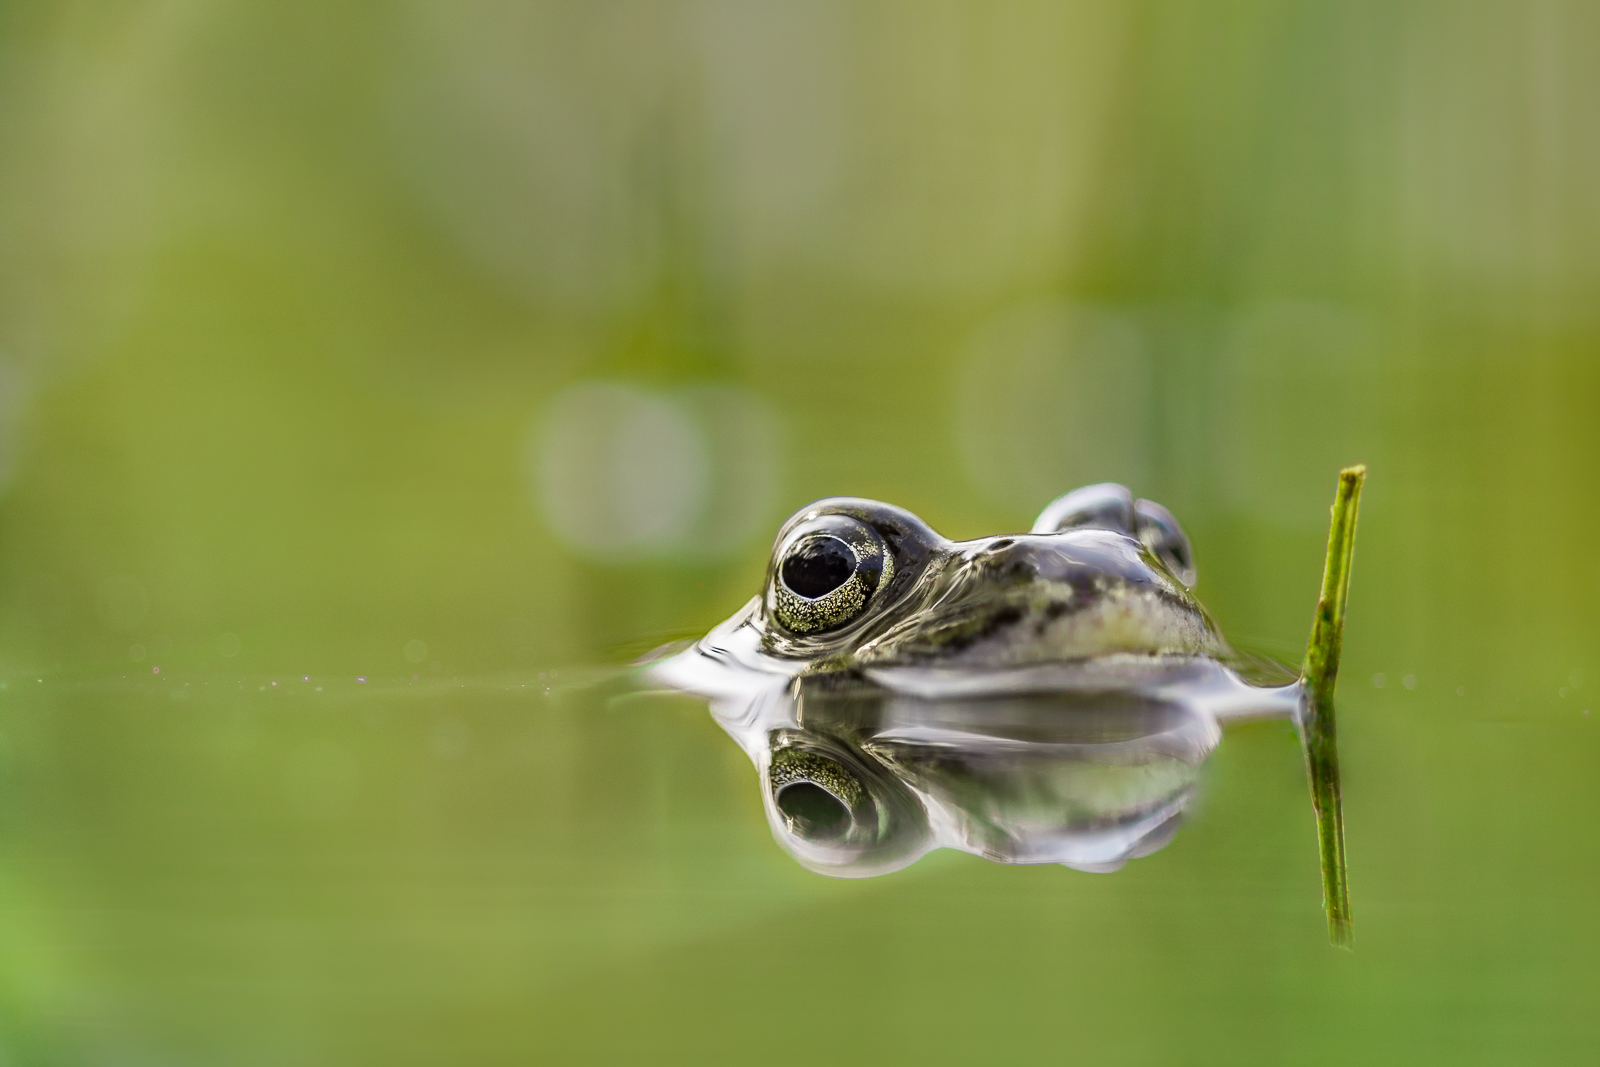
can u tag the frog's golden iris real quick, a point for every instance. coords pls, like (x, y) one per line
(816, 795)
(825, 573)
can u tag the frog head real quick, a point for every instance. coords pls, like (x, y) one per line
(855, 582)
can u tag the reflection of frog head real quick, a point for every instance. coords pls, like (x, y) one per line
(855, 582)
(867, 778)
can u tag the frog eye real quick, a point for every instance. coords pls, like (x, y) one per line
(818, 798)
(817, 566)
(826, 574)
(837, 809)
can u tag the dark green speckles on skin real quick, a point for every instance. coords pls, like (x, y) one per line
(1094, 580)
(793, 765)
(806, 615)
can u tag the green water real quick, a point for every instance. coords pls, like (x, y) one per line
(474, 348)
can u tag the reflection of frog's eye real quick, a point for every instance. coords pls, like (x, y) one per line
(838, 808)
(817, 797)
(827, 572)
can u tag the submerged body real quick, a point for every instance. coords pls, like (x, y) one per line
(1045, 697)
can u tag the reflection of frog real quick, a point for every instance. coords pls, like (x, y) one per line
(1040, 697)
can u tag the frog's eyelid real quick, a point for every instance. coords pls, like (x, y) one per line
(1161, 534)
(1103, 506)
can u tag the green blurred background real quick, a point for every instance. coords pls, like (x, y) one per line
(473, 348)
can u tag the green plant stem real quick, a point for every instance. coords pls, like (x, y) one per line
(1318, 728)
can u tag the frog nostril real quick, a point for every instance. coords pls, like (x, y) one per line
(812, 811)
(817, 567)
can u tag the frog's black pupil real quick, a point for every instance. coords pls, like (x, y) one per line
(818, 566)
(814, 812)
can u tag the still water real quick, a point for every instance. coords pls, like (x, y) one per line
(476, 349)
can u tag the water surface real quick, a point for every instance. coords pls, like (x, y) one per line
(449, 345)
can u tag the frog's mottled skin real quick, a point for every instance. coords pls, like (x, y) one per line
(1037, 697)
(1002, 601)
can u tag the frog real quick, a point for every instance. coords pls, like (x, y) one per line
(1038, 697)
